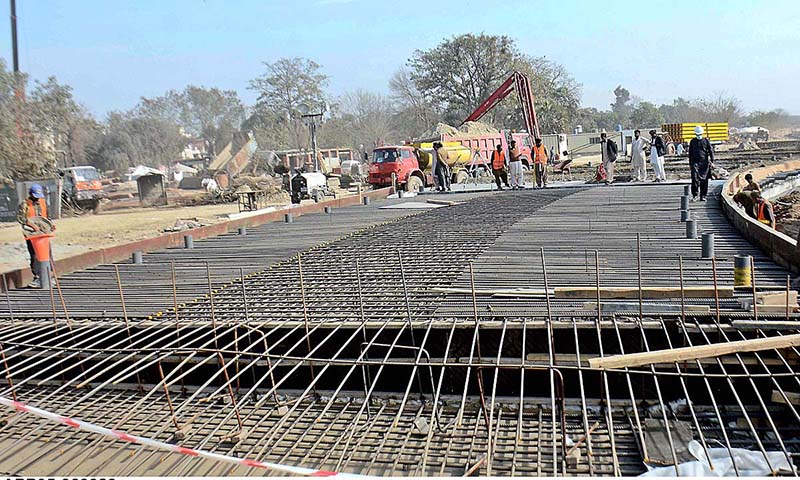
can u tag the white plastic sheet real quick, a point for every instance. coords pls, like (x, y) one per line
(750, 463)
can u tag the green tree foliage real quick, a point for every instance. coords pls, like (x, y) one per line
(210, 114)
(286, 86)
(457, 75)
(645, 115)
(771, 119)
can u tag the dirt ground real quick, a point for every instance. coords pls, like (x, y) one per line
(88, 232)
(787, 212)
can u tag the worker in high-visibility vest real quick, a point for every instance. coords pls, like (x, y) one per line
(540, 163)
(763, 209)
(30, 214)
(499, 167)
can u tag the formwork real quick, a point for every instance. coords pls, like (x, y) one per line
(403, 348)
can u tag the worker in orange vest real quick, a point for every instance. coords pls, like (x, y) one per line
(30, 214)
(499, 167)
(540, 163)
(764, 212)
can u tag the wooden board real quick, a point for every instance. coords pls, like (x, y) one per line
(692, 353)
(776, 298)
(647, 292)
(794, 398)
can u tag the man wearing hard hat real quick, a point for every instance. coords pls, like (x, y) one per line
(701, 158)
(32, 215)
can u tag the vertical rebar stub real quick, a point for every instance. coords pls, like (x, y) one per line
(242, 230)
(691, 228)
(287, 217)
(741, 271)
(44, 274)
(707, 249)
(685, 202)
(328, 210)
(687, 190)
(685, 215)
(188, 241)
(136, 257)
(365, 200)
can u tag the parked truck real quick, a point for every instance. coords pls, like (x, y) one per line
(82, 188)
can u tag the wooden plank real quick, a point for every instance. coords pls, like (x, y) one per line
(647, 292)
(521, 292)
(631, 307)
(692, 353)
(776, 298)
(794, 398)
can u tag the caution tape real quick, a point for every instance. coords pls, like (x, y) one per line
(125, 437)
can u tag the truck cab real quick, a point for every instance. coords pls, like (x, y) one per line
(82, 187)
(402, 161)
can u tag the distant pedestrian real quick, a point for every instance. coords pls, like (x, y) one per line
(657, 151)
(639, 157)
(608, 153)
(540, 163)
(442, 170)
(701, 157)
(515, 167)
(499, 167)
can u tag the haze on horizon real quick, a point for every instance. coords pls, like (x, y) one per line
(113, 53)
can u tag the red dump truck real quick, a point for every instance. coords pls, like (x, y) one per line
(411, 163)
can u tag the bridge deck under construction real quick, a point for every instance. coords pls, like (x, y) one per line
(410, 342)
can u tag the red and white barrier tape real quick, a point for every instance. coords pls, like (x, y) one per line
(119, 435)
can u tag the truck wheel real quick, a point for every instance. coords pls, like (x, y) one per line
(462, 176)
(413, 184)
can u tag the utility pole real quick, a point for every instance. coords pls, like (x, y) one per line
(14, 49)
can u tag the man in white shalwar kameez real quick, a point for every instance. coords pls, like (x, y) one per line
(639, 157)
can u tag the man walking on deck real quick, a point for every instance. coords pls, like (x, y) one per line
(608, 153)
(540, 163)
(701, 157)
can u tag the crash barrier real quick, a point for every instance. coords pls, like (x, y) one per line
(775, 180)
(21, 277)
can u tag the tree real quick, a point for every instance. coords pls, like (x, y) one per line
(286, 86)
(721, 108)
(456, 76)
(646, 114)
(459, 73)
(772, 119)
(620, 107)
(556, 95)
(360, 118)
(414, 112)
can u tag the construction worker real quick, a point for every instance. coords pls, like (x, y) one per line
(442, 171)
(638, 156)
(701, 157)
(515, 167)
(499, 167)
(608, 153)
(657, 151)
(763, 208)
(540, 163)
(752, 185)
(30, 214)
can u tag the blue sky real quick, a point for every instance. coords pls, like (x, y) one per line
(113, 52)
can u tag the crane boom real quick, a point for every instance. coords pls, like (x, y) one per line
(520, 83)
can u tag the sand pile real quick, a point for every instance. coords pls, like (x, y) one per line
(469, 129)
